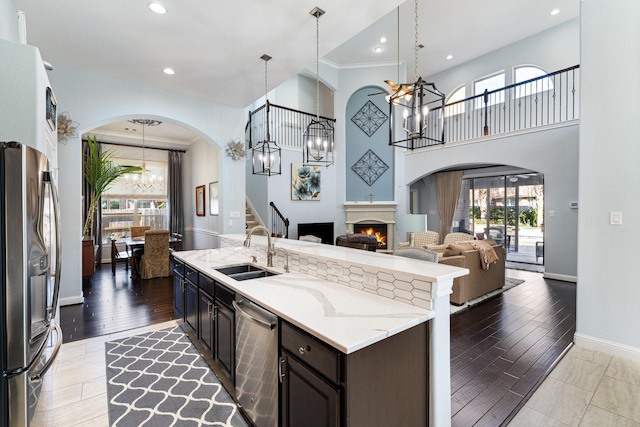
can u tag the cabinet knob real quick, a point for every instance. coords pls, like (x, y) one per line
(303, 350)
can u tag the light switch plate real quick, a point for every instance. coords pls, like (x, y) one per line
(234, 214)
(615, 218)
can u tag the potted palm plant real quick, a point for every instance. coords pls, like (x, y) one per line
(100, 172)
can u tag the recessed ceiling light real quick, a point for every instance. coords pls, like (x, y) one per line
(383, 39)
(378, 49)
(449, 56)
(157, 8)
(554, 12)
(169, 71)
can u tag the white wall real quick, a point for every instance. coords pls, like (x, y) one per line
(92, 100)
(552, 50)
(608, 292)
(8, 21)
(201, 164)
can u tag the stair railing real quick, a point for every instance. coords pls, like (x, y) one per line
(279, 224)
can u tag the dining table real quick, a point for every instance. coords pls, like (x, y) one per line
(133, 243)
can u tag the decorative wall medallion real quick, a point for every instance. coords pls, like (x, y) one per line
(305, 182)
(369, 118)
(235, 150)
(66, 128)
(370, 167)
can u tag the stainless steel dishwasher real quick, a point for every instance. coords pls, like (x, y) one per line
(257, 362)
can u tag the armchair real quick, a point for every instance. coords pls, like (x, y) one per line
(421, 239)
(155, 260)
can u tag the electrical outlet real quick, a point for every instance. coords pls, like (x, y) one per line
(335, 270)
(370, 279)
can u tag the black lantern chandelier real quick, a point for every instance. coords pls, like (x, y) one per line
(414, 100)
(318, 137)
(266, 155)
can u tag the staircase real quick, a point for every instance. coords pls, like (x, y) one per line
(250, 218)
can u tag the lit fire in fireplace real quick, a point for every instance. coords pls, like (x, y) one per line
(380, 237)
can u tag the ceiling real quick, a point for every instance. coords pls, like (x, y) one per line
(215, 47)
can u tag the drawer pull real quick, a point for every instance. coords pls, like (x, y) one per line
(303, 350)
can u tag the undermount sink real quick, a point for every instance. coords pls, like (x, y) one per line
(245, 272)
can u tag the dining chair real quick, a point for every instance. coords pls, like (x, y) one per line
(155, 259)
(118, 256)
(138, 230)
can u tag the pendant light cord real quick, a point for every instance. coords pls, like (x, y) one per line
(318, 67)
(266, 101)
(416, 41)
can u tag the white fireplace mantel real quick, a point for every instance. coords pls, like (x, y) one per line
(372, 212)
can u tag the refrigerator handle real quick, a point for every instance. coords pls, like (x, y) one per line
(37, 376)
(48, 178)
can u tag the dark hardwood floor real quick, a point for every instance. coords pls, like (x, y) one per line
(117, 303)
(502, 348)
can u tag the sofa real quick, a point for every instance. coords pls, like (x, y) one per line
(450, 238)
(479, 281)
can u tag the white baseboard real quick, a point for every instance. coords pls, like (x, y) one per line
(71, 300)
(201, 231)
(609, 347)
(562, 277)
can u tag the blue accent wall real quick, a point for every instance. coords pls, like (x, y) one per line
(358, 142)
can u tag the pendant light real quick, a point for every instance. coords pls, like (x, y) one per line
(146, 183)
(318, 136)
(266, 155)
(413, 100)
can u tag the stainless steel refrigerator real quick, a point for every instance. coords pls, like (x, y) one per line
(30, 279)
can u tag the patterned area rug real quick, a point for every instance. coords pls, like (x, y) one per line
(508, 284)
(159, 379)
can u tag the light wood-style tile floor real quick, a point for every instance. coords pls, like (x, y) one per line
(586, 389)
(74, 390)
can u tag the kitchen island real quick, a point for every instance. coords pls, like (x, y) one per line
(352, 301)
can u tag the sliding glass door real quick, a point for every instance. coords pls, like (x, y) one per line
(508, 209)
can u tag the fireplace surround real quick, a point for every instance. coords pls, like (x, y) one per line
(378, 214)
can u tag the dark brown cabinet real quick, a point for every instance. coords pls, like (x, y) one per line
(191, 298)
(206, 320)
(383, 384)
(225, 331)
(178, 289)
(307, 399)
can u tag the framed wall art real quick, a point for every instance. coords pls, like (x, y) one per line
(200, 200)
(305, 182)
(213, 198)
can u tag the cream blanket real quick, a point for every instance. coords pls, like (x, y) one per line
(485, 249)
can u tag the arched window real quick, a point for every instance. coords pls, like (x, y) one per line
(458, 95)
(493, 82)
(528, 72)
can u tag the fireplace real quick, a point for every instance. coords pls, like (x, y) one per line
(374, 229)
(380, 216)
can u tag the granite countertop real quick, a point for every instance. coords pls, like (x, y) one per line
(346, 318)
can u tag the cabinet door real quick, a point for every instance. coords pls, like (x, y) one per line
(206, 320)
(191, 305)
(225, 339)
(307, 399)
(178, 296)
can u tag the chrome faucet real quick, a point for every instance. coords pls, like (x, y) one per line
(270, 249)
(286, 258)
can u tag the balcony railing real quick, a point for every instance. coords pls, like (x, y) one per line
(545, 100)
(286, 125)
